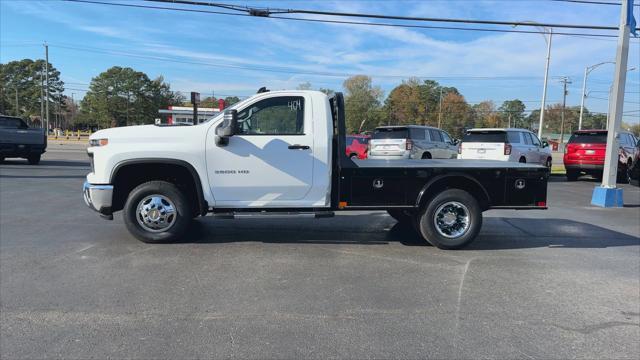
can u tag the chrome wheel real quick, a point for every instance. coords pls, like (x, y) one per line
(451, 219)
(156, 213)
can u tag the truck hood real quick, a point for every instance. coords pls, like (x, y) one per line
(146, 133)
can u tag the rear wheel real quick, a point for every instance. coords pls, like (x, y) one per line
(451, 220)
(33, 159)
(522, 160)
(548, 164)
(624, 173)
(157, 212)
(353, 156)
(426, 155)
(572, 175)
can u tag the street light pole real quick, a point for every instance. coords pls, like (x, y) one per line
(544, 87)
(587, 71)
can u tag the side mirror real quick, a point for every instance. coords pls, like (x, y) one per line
(227, 128)
(545, 144)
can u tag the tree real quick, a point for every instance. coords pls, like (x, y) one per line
(553, 119)
(513, 113)
(328, 92)
(123, 96)
(413, 102)
(456, 114)
(362, 103)
(27, 78)
(485, 115)
(304, 86)
(230, 100)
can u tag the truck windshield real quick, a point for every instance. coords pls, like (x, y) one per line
(391, 133)
(12, 123)
(485, 136)
(596, 137)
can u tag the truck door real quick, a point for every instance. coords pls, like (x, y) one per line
(270, 159)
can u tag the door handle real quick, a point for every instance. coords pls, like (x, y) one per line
(299, 147)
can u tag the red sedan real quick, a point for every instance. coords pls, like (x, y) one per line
(585, 152)
(357, 146)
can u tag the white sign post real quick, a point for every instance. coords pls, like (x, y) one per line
(607, 195)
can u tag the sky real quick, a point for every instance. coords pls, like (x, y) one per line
(235, 55)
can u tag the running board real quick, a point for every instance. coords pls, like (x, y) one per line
(272, 214)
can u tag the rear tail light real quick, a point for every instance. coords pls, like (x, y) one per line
(409, 144)
(541, 203)
(507, 149)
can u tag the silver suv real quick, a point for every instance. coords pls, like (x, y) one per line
(411, 142)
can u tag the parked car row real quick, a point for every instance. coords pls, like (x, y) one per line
(424, 142)
(585, 154)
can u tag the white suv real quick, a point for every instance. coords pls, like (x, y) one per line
(518, 145)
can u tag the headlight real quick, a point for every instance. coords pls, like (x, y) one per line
(98, 142)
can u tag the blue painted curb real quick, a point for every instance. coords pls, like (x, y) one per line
(607, 197)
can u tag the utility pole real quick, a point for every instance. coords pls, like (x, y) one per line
(440, 111)
(73, 108)
(41, 100)
(17, 105)
(607, 195)
(544, 87)
(564, 80)
(46, 74)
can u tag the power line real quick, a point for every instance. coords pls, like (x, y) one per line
(267, 12)
(281, 69)
(586, 35)
(591, 2)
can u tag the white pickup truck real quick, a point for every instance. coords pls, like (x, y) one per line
(284, 152)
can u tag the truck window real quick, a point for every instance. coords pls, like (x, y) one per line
(390, 133)
(596, 137)
(416, 134)
(489, 136)
(435, 135)
(283, 115)
(12, 123)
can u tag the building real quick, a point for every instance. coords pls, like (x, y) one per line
(180, 115)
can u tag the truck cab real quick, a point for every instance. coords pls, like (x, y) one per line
(284, 152)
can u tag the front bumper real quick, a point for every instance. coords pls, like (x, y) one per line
(98, 198)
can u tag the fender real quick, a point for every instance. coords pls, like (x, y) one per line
(440, 177)
(202, 203)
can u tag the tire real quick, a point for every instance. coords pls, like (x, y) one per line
(34, 159)
(449, 202)
(548, 164)
(624, 174)
(572, 175)
(426, 156)
(523, 160)
(154, 195)
(401, 216)
(353, 156)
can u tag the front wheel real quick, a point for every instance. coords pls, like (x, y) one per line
(157, 212)
(451, 220)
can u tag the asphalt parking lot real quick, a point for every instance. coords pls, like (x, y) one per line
(562, 283)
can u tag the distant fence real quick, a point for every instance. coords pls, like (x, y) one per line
(70, 135)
